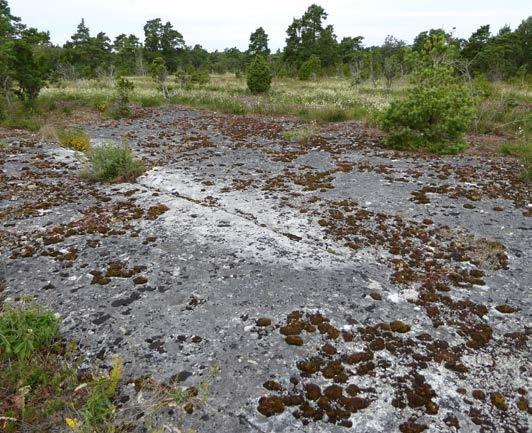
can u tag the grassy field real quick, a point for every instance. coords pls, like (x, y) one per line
(326, 100)
(503, 110)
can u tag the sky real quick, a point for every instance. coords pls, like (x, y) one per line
(219, 24)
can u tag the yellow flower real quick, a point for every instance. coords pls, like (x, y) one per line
(72, 423)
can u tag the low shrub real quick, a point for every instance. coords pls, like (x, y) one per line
(23, 331)
(74, 138)
(101, 106)
(310, 69)
(120, 107)
(259, 77)
(113, 163)
(190, 75)
(434, 115)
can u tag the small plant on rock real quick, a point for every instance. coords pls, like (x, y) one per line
(113, 163)
(259, 76)
(23, 331)
(74, 138)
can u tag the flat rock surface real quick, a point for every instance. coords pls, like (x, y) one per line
(321, 285)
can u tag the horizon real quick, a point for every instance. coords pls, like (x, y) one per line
(237, 23)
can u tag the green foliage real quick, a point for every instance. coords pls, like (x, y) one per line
(307, 36)
(74, 138)
(128, 50)
(86, 53)
(113, 163)
(29, 72)
(191, 75)
(259, 77)
(434, 115)
(124, 89)
(434, 48)
(38, 378)
(19, 117)
(24, 331)
(98, 411)
(482, 88)
(310, 69)
(258, 43)
(159, 73)
(162, 40)
(522, 151)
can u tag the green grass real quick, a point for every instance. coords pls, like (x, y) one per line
(98, 412)
(522, 151)
(22, 332)
(503, 109)
(39, 385)
(301, 134)
(113, 163)
(35, 382)
(326, 100)
(504, 112)
(41, 390)
(19, 118)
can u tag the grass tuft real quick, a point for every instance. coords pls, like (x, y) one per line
(113, 163)
(301, 134)
(522, 151)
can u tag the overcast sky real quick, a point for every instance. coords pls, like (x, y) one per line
(220, 24)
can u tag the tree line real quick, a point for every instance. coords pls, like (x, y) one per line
(28, 58)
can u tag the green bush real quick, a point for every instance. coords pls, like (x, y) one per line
(120, 108)
(191, 75)
(113, 163)
(23, 331)
(259, 76)
(310, 69)
(434, 115)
